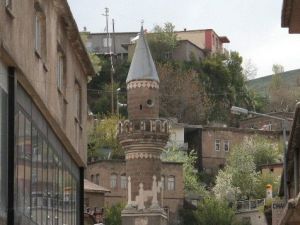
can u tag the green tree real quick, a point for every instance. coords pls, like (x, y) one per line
(225, 83)
(240, 178)
(104, 135)
(264, 151)
(162, 42)
(191, 182)
(214, 212)
(262, 181)
(113, 214)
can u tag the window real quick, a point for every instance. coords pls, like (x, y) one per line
(3, 141)
(113, 181)
(78, 101)
(123, 181)
(60, 71)
(47, 179)
(226, 146)
(217, 145)
(92, 178)
(97, 179)
(171, 183)
(107, 42)
(40, 32)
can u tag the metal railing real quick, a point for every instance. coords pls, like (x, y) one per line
(249, 205)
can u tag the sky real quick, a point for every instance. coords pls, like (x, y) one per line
(252, 26)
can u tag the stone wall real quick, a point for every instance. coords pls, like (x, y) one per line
(213, 159)
(173, 199)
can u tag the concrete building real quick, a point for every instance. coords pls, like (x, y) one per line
(44, 70)
(143, 137)
(206, 39)
(111, 174)
(192, 44)
(97, 43)
(184, 51)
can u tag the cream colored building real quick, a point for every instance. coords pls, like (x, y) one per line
(44, 69)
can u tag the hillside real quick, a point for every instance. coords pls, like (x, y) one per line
(291, 79)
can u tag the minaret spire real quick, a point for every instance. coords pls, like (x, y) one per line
(142, 66)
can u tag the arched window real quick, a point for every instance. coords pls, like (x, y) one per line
(123, 181)
(113, 181)
(171, 183)
(92, 178)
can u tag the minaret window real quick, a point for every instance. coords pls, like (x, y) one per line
(141, 107)
(150, 103)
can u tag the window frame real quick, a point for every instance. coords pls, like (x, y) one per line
(217, 143)
(60, 71)
(171, 183)
(226, 142)
(113, 181)
(123, 181)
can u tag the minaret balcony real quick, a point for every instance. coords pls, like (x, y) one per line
(144, 125)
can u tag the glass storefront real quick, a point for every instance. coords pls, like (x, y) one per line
(46, 178)
(3, 143)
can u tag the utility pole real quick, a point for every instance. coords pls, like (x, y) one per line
(114, 36)
(112, 70)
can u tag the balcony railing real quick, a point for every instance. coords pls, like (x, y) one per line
(249, 205)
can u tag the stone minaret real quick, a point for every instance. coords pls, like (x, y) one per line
(143, 137)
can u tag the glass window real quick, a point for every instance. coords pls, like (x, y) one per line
(113, 181)
(217, 145)
(46, 177)
(123, 181)
(171, 183)
(27, 166)
(226, 146)
(3, 142)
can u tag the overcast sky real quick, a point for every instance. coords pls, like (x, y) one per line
(252, 26)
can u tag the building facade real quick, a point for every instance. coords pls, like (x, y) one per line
(111, 174)
(205, 39)
(43, 72)
(213, 144)
(265, 123)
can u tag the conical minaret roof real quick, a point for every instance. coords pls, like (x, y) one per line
(142, 66)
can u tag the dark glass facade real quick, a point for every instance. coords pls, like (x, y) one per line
(3, 143)
(46, 178)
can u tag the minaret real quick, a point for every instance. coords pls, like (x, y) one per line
(143, 137)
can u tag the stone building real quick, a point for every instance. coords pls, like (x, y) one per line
(213, 144)
(218, 141)
(265, 123)
(44, 70)
(111, 174)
